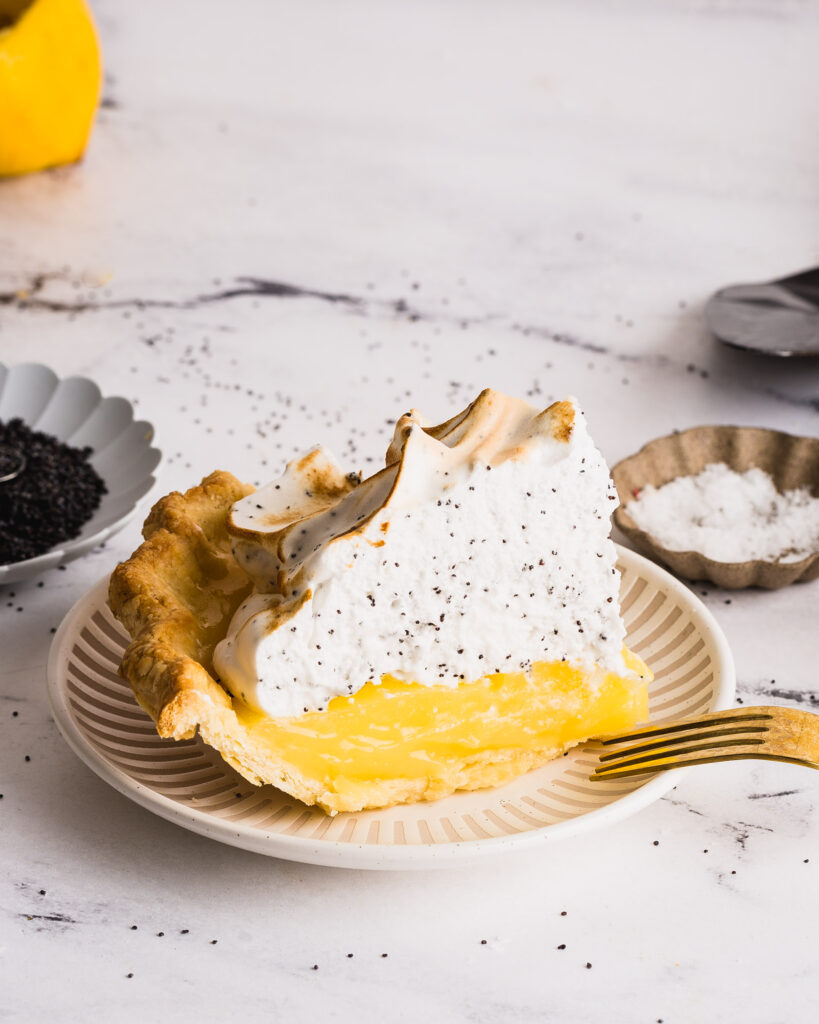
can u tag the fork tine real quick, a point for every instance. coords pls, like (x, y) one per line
(734, 733)
(670, 752)
(738, 717)
(768, 733)
(617, 771)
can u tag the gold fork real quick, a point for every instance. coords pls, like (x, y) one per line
(771, 733)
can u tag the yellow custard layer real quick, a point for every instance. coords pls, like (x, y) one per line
(397, 730)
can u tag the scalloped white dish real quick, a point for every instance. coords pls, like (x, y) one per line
(188, 783)
(74, 410)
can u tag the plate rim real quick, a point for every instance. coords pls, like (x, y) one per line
(380, 856)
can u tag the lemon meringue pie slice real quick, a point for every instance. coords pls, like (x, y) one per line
(448, 623)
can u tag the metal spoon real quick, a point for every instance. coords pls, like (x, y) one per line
(12, 463)
(777, 318)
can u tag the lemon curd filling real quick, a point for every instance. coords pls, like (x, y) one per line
(510, 721)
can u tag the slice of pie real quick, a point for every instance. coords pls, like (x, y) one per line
(448, 623)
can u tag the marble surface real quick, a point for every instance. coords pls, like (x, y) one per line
(293, 222)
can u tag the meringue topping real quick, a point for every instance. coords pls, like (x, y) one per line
(482, 547)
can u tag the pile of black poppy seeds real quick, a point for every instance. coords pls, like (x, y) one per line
(55, 494)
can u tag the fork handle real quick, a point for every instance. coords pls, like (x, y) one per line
(796, 730)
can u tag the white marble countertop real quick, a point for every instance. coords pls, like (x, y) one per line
(293, 221)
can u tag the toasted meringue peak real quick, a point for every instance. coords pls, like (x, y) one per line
(490, 428)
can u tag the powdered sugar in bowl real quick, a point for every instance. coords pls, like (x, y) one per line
(734, 505)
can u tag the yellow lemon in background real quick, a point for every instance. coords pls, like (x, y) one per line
(50, 75)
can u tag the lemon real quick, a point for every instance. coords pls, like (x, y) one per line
(50, 74)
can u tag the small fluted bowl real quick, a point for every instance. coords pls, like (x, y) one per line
(73, 410)
(790, 460)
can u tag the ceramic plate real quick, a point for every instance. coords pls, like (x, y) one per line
(73, 410)
(188, 783)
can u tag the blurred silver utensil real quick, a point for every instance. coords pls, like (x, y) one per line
(12, 463)
(777, 318)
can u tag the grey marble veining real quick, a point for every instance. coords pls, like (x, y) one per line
(293, 222)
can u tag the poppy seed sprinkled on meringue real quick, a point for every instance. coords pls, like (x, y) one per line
(434, 570)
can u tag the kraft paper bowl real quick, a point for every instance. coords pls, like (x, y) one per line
(791, 461)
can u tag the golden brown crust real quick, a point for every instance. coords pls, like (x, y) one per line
(176, 596)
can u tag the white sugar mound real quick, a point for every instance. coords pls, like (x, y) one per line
(730, 516)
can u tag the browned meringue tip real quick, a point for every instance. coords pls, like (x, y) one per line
(791, 461)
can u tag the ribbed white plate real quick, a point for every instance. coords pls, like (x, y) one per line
(73, 410)
(188, 782)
